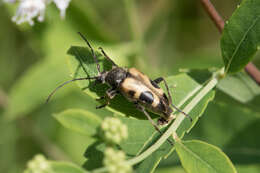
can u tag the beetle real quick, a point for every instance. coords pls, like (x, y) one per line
(135, 87)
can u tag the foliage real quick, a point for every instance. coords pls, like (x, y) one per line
(222, 101)
(241, 38)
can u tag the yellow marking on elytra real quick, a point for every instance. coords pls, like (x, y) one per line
(145, 79)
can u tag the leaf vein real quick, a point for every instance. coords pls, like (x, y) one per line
(240, 42)
(196, 156)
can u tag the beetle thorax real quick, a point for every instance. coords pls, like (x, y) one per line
(116, 76)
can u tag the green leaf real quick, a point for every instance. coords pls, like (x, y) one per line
(223, 116)
(241, 36)
(187, 92)
(182, 89)
(82, 65)
(171, 169)
(239, 86)
(244, 143)
(94, 155)
(150, 163)
(141, 133)
(65, 167)
(198, 156)
(165, 150)
(79, 120)
(33, 88)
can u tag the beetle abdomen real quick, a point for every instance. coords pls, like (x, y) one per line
(147, 97)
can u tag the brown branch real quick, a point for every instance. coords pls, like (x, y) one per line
(252, 70)
(219, 22)
(213, 14)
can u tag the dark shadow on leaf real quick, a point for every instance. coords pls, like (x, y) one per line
(200, 75)
(88, 68)
(95, 155)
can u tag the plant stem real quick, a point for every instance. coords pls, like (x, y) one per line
(213, 14)
(250, 68)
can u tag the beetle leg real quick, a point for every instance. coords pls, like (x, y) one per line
(161, 121)
(170, 99)
(158, 80)
(102, 106)
(100, 98)
(141, 108)
(110, 94)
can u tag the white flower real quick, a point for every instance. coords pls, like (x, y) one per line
(62, 5)
(29, 9)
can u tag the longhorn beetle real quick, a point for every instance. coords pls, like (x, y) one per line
(134, 86)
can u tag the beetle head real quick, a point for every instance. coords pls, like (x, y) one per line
(115, 76)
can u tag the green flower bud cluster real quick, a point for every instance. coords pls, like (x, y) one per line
(38, 164)
(114, 131)
(115, 161)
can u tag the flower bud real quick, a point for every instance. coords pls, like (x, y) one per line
(114, 131)
(115, 161)
(38, 164)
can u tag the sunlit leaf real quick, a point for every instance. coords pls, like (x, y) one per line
(79, 120)
(141, 133)
(198, 156)
(240, 86)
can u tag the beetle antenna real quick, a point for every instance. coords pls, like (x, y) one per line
(182, 112)
(92, 51)
(61, 85)
(107, 57)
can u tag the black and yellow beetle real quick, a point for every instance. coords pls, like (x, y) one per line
(134, 86)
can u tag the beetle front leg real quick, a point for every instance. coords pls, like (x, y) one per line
(110, 94)
(158, 80)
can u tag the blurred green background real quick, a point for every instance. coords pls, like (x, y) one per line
(157, 37)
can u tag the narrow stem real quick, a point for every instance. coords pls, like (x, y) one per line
(213, 14)
(252, 70)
